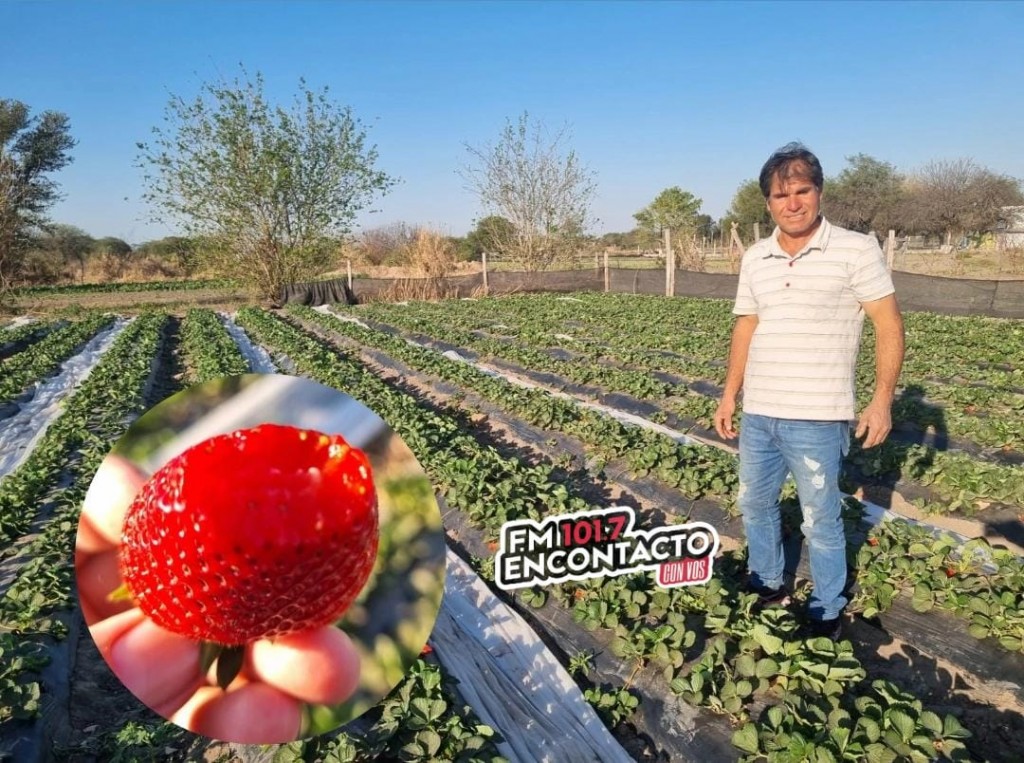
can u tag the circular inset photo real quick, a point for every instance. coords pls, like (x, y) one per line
(260, 559)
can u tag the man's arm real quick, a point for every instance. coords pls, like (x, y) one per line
(742, 333)
(875, 420)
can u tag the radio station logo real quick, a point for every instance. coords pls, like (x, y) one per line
(602, 543)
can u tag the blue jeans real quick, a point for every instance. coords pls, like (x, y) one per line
(812, 451)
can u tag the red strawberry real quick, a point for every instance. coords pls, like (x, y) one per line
(255, 534)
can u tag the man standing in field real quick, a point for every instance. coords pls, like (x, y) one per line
(802, 296)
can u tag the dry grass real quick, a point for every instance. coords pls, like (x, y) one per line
(984, 264)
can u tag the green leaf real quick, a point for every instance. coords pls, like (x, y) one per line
(766, 667)
(931, 721)
(871, 729)
(745, 738)
(902, 722)
(977, 630)
(841, 736)
(770, 643)
(879, 753)
(430, 740)
(746, 665)
(1011, 643)
(951, 728)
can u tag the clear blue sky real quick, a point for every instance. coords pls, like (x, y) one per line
(655, 94)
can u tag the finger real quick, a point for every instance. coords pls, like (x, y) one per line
(106, 632)
(880, 434)
(89, 540)
(98, 576)
(874, 436)
(253, 714)
(723, 426)
(110, 494)
(320, 666)
(155, 664)
(862, 426)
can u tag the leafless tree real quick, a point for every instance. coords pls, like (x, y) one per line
(955, 197)
(539, 185)
(385, 244)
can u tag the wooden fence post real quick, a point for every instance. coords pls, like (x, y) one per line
(483, 257)
(757, 232)
(734, 241)
(349, 266)
(670, 264)
(890, 250)
(607, 282)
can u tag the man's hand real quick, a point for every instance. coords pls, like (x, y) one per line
(874, 424)
(723, 419)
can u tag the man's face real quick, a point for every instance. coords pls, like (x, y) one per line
(794, 204)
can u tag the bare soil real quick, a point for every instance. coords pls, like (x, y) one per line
(129, 302)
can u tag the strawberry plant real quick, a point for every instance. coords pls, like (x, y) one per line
(419, 721)
(46, 355)
(208, 348)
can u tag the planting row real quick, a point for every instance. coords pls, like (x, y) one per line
(43, 357)
(68, 454)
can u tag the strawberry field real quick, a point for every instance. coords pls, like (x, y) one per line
(531, 405)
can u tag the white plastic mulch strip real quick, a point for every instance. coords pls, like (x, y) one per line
(512, 681)
(626, 418)
(21, 320)
(258, 358)
(326, 310)
(20, 433)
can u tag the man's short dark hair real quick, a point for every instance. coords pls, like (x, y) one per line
(793, 160)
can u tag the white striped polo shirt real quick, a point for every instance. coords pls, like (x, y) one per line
(802, 357)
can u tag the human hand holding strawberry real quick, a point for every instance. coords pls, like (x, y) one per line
(305, 660)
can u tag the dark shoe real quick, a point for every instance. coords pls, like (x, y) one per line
(767, 598)
(830, 629)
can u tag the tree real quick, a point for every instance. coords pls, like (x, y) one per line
(677, 211)
(866, 196)
(270, 188)
(111, 257)
(706, 225)
(957, 197)
(748, 207)
(179, 250)
(30, 149)
(487, 237)
(673, 209)
(112, 245)
(386, 244)
(536, 184)
(73, 246)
